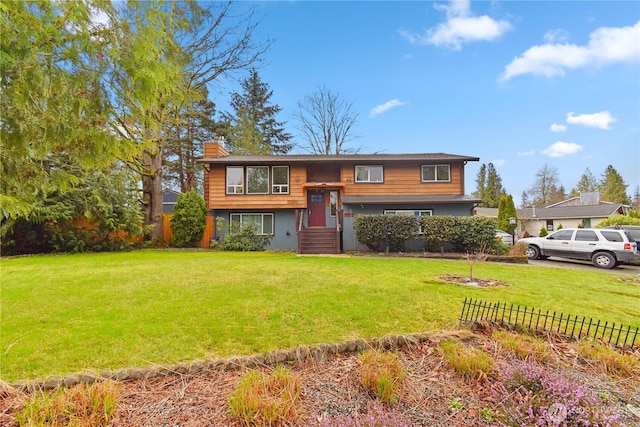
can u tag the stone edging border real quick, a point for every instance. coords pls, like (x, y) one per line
(297, 354)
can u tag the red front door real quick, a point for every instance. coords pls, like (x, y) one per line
(316, 208)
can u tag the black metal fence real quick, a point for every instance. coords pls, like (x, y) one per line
(576, 327)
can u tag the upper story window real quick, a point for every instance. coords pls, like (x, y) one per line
(257, 179)
(280, 177)
(235, 180)
(369, 174)
(436, 173)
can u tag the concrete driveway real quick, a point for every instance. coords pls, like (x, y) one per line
(624, 269)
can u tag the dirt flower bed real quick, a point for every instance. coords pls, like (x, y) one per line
(475, 281)
(433, 394)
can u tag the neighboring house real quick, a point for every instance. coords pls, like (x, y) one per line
(584, 211)
(169, 200)
(307, 203)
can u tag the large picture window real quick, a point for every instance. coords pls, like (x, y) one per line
(263, 221)
(369, 174)
(235, 179)
(257, 179)
(280, 177)
(436, 173)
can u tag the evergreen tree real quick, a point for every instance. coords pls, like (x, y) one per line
(253, 128)
(613, 187)
(506, 210)
(588, 183)
(192, 127)
(489, 186)
(189, 220)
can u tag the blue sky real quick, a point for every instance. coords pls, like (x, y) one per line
(519, 84)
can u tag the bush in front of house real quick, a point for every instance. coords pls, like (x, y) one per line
(189, 220)
(374, 230)
(241, 239)
(460, 233)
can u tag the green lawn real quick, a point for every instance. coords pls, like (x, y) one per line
(69, 313)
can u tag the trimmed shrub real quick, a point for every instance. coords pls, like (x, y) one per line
(374, 230)
(462, 234)
(543, 232)
(242, 239)
(189, 220)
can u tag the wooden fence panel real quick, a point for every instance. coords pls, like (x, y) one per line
(209, 232)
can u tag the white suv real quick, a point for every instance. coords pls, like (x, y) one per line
(605, 248)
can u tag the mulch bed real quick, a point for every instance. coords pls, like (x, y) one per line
(331, 388)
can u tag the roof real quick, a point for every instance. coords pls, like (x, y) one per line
(340, 158)
(399, 199)
(560, 212)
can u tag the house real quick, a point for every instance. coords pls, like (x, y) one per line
(307, 203)
(586, 210)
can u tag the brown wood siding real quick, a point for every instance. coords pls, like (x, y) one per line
(219, 199)
(402, 179)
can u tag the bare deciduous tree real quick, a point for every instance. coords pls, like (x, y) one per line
(326, 122)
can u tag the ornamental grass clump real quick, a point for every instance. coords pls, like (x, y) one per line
(471, 362)
(523, 346)
(267, 399)
(81, 405)
(613, 362)
(382, 374)
(534, 395)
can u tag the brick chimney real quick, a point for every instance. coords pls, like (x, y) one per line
(215, 148)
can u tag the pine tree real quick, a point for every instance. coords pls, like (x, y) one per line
(253, 128)
(489, 186)
(612, 187)
(588, 183)
(192, 127)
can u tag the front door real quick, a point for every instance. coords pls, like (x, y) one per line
(316, 208)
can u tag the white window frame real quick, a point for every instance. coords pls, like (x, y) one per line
(260, 231)
(247, 179)
(435, 173)
(281, 188)
(235, 188)
(368, 169)
(410, 212)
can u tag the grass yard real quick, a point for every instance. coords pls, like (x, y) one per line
(68, 313)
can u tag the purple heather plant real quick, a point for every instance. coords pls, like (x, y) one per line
(535, 395)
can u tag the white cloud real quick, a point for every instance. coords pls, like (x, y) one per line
(558, 128)
(561, 149)
(459, 28)
(385, 107)
(606, 46)
(600, 120)
(553, 36)
(498, 162)
(526, 153)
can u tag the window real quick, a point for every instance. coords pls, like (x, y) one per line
(369, 174)
(612, 236)
(257, 179)
(436, 173)
(235, 178)
(280, 176)
(586, 236)
(549, 225)
(410, 213)
(263, 221)
(562, 235)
